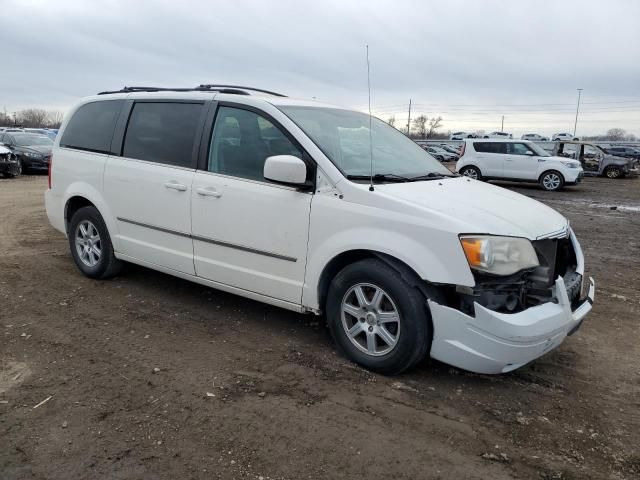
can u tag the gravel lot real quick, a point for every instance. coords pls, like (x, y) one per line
(244, 390)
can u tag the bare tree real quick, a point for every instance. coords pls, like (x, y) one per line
(33, 117)
(616, 134)
(420, 124)
(54, 118)
(434, 124)
(392, 120)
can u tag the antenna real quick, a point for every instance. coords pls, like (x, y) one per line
(370, 122)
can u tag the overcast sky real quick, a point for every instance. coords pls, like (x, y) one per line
(469, 61)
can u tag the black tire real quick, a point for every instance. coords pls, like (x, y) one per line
(413, 333)
(551, 181)
(613, 172)
(471, 172)
(107, 264)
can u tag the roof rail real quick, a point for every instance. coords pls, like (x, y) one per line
(237, 90)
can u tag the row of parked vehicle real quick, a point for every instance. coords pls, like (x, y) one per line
(534, 137)
(25, 150)
(525, 161)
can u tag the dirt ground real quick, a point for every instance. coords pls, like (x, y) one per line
(246, 390)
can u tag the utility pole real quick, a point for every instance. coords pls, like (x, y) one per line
(502, 124)
(409, 120)
(577, 110)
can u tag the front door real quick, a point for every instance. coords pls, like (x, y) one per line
(148, 187)
(248, 232)
(521, 162)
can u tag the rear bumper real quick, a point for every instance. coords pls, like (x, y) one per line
(493, 342)
(55, 211)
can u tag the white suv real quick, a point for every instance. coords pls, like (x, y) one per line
(517, 160)
(272, 198)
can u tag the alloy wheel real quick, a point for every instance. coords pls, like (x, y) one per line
(88, 244)
(370, 319)
(551, 181)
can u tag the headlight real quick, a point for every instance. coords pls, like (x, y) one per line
(570, 164)
(32, 155)
(498, 255)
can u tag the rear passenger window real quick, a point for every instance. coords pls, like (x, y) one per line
(490, 147)
(242, 141)
(518, 149)
(162, 132)
(91, 127)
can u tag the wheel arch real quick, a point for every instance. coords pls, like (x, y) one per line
(342, 260)
(549, 170)
(80, 195)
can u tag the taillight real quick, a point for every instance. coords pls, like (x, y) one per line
(464, 145)
(50, 168)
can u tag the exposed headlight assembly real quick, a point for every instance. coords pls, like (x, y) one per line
(32, 155)
(498, 255)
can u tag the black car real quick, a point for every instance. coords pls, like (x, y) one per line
(33, 151)
(627, 152)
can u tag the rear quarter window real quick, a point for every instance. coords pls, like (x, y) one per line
(91, 127)
(490, 147)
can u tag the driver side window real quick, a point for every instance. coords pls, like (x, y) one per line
(518, 149)
(241, 142)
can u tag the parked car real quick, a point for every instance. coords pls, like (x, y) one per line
(450, 149)
(10, 165)
(534, 137)
(596, 161)
(502, 135)
(563, 136)
(517, 160)
(440, 153)
(272, 198)
(461, 135)
(32, 150)
(622, 151)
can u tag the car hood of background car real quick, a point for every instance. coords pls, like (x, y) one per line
(479, 207)
(42, 149)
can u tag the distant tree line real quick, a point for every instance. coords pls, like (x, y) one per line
(613, 135)
(422, 127)
(32, 118)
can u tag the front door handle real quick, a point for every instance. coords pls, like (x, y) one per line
(176, 186)
(208, 192)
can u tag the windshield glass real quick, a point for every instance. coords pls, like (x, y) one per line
(25, 139)
(343, 136)
(541, 152)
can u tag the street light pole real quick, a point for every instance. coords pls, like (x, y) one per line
(577, 110)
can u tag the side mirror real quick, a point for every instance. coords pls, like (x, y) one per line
(530, 153)
(285, 169)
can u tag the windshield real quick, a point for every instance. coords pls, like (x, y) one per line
(541, 152)
(25, 140)
(343, 136)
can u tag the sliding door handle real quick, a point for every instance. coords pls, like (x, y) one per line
(208, 192)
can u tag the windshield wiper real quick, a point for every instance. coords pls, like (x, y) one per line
(432, 176)
(381, 177)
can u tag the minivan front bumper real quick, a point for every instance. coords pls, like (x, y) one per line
(493, 342)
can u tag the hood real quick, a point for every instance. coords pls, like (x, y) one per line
(564, 159)
(42, 149)
(618, 160)
(479, 207)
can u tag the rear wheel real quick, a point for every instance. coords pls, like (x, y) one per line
(376, 318)
(551, 181)
(471, 172)
(613, 172)
(90, 244)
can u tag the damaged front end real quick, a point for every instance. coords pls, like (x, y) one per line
(527, 288)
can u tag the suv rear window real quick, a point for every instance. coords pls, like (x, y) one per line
(91, 127)
(490, 147)
(162, 132)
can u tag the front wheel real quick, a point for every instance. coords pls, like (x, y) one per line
(613, 172)
(377, 319)
(551, 181)
(471, 172)
(90, 244)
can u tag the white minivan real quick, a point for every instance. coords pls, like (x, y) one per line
(519, 161)
(299, 204)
